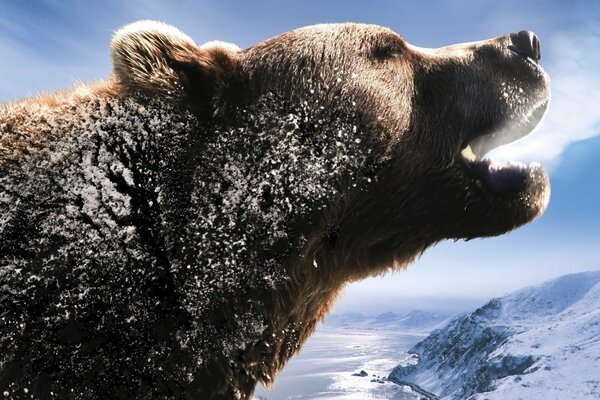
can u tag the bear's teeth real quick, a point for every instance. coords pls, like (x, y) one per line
(468, 154)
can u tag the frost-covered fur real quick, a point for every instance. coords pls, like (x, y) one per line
(179, 230)
(140, 250)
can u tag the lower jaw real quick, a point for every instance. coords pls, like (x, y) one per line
(527, 187)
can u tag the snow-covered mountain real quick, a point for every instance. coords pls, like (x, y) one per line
(415, 320)
(542, 342)
(345, 319)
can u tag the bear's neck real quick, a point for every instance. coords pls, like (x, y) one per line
(246, 254)
(309, 297)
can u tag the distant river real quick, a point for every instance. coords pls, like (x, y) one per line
(324, 368)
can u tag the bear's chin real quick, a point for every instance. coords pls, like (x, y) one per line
(489, 198)
(520, 192)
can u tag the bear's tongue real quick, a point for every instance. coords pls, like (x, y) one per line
(501, 177)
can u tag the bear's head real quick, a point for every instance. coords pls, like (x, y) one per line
(426, 116)
(342, 150)
(179, 230)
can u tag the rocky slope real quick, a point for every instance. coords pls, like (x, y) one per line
(542, 342)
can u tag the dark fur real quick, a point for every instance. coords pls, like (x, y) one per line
(184, 245)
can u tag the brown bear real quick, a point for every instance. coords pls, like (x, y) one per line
(178, 230)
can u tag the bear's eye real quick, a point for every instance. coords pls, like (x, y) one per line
(388, 50)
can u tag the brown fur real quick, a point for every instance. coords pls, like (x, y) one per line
(22, 132)
(154, 58)
(402, 115)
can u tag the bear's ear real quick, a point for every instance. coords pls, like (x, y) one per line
(155, 60)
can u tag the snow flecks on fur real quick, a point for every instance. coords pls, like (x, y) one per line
(77, 265)
(515, 97)
(277, 168)
(128, 229)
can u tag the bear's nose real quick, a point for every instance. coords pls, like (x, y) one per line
(527, 44)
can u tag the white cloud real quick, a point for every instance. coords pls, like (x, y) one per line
(574, 112)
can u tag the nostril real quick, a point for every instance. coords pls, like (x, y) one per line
(527, 44)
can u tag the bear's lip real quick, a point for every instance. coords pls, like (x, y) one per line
(483, 144)
(511, 176)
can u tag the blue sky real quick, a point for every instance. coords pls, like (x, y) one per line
(47, 45)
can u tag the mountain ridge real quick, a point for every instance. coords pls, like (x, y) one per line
(414, 320)
(538, 342)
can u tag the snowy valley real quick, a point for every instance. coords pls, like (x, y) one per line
(350, 356)
(541, 342)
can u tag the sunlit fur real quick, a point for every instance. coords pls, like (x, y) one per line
(183, 226)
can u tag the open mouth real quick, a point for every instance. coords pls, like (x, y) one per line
(508, 177)
(512, 176)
